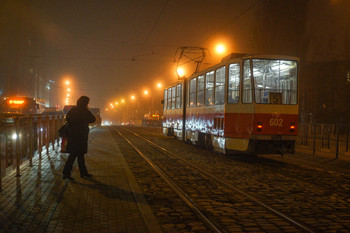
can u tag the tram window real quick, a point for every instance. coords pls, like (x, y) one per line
(209, 88)
(165, 99)
(193, 100)
(247, 82)
(188, 94)
(200, 91)
(233, 83)
(169, 99)
(275, 81)
(220, 86)
(179, 96)
(173, 97)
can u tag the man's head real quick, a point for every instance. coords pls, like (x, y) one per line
(83, 101)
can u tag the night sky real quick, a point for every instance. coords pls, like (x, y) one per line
(112, 49)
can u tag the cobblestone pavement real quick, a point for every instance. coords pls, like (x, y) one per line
(314, 190)
(124, 196)
(41, 201)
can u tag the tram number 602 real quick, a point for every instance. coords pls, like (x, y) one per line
(276, 122)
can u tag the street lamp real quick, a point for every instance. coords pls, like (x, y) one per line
(180, 72)
(220, 49)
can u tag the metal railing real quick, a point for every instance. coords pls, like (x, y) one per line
(331, 138)
(22, 137)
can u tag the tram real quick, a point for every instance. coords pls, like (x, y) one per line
(151, 120)
(246, 103)
(23, 105)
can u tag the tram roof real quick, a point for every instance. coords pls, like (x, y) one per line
(237, 56)
(268, 56)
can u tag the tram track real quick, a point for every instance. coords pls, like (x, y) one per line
(181, 193)
(203, 214)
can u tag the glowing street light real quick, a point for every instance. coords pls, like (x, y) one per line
(123, 100)
(145, 92)
(67, 82)
(220, 48)
(132, 97)
(159, 85)
(180, 72)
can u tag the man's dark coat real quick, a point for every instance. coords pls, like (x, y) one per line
(78, 119)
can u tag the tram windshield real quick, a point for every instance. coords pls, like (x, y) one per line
(275, 81)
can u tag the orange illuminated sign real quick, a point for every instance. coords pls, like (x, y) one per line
(18, 102)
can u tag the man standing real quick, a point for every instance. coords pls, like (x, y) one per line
(78, 119)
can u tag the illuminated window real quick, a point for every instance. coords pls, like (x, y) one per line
(169, 99)
(275, 81)
(179, 96)
(188, 94)
(193, 87)
(209, 88)
(173, 97)
(247, 83)
(165, 99)
(200, 91)
(233, 83)
(220, 86)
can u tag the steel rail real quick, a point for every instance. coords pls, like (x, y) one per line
(226, 183)
(182, 194)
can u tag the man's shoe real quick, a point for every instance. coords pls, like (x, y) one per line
(67, 177)
(87, 175)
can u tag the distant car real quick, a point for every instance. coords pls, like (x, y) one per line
(128, 123)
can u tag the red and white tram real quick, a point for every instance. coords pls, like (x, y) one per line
(246, 103)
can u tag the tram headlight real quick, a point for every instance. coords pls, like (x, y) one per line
(259, 127)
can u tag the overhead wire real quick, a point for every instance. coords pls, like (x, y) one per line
(152, 29)
(231, 21)
(225, 25)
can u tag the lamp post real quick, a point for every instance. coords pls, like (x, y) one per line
(146, 94)
(132, 108)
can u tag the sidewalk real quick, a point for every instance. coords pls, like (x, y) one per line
(41, 201)
(325, 161)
